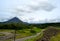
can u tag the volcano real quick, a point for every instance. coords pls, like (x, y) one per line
(15, 20)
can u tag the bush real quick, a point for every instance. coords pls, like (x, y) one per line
(32, 31)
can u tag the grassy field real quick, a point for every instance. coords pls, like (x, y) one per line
(6, 30)
(21, 33)
(37, 37)
(2, 34)
(55, 38)
(27, 32)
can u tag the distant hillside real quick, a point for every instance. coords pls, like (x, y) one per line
(14, 20)
(46, 25)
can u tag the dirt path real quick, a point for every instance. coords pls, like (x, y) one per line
(10, 35)
(22, 39)
(7, 36)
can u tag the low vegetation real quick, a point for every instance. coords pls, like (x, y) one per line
(24, 30)
(27, 32)
(50, 34)
(21, 33)
(2, 34)
(55, 38)
(35, 38)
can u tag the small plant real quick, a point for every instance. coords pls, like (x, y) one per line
(2, 34)
(32, 31)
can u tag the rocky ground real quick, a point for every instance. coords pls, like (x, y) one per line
(47, 34)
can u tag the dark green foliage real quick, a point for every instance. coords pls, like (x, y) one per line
(32, 31)
(45, 25)
(12, 26)
(24, 26)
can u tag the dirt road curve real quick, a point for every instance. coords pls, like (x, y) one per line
(22, 39)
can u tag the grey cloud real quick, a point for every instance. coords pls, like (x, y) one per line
(32, 8)
(4, 19)
(47, 7)
(19, 10)
(23, 10)
(43, 6)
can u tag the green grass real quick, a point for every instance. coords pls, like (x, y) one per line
(27, 32)
(35, 38)
(2, 34)
(37, 29)
(8, 40)
(22, 33)
(7, 30)
(55, 38)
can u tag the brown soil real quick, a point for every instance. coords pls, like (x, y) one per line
(47, 34)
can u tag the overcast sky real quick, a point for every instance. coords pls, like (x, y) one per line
(31, 11)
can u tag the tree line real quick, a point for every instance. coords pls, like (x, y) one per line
(25, 26)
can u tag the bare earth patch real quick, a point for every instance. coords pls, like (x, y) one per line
(48, 33)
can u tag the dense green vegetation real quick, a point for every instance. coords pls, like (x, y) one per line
(24, 30)
(27, 32)
(22, 33)
(25, 26)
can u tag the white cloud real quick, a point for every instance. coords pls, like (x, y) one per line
(42, 6)
(31, 8)
(27, 8)
(35, 6)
